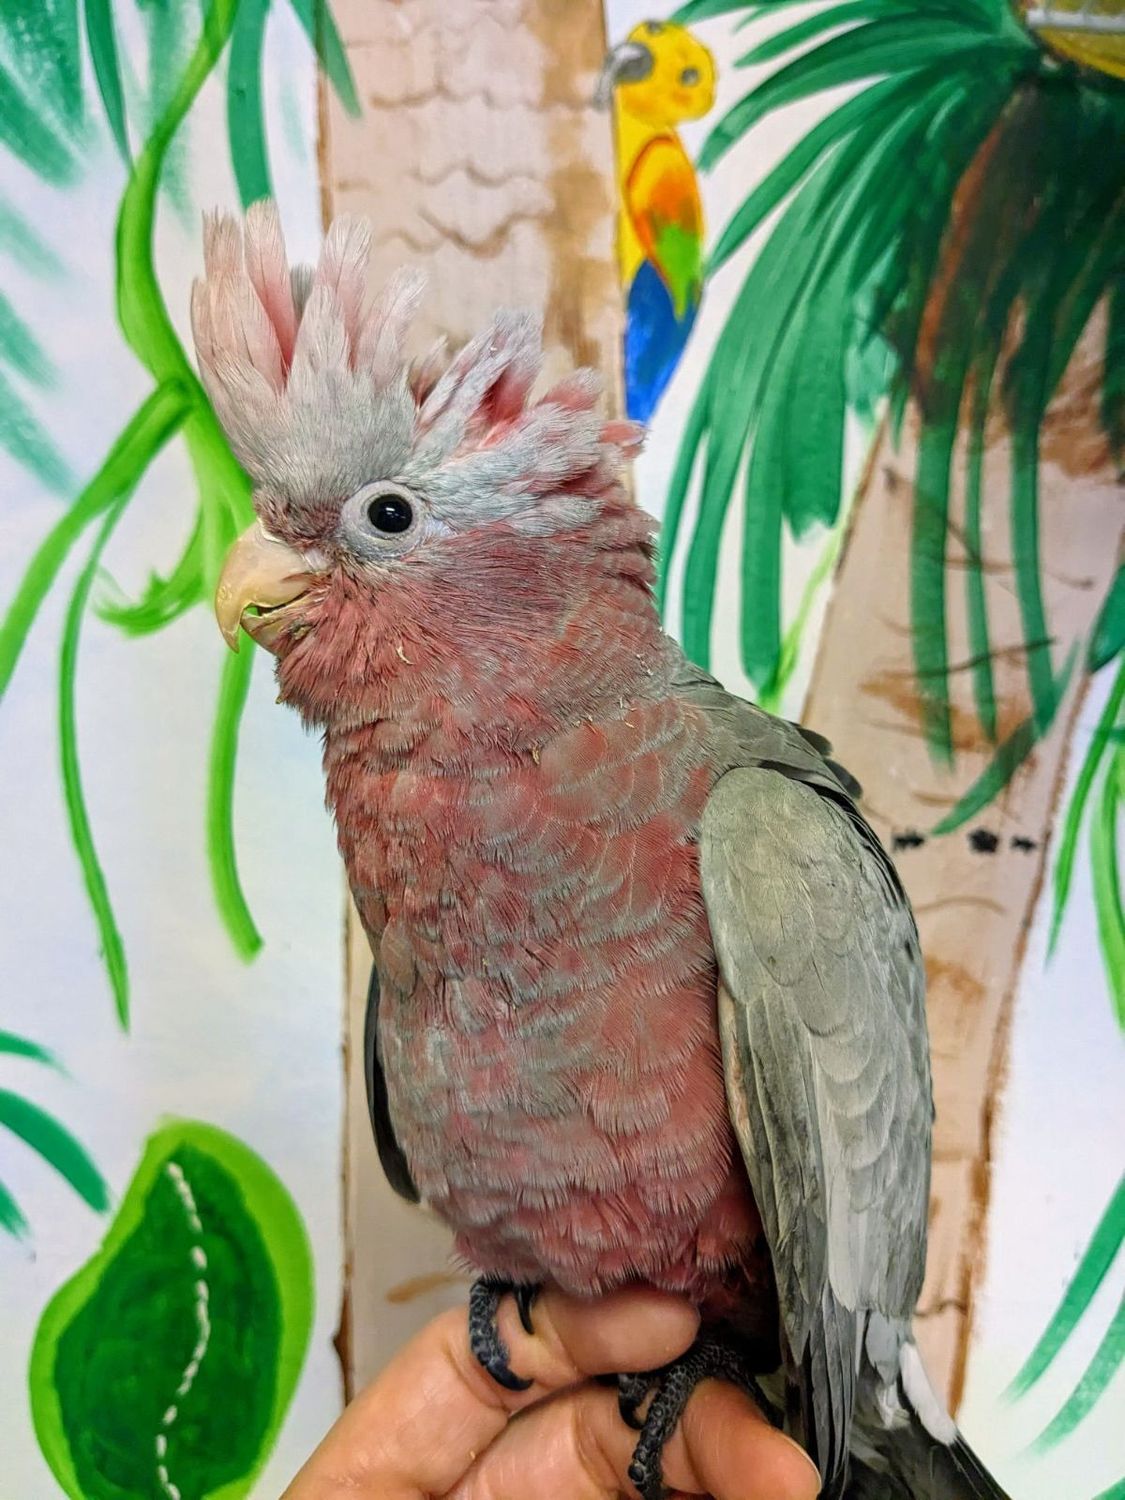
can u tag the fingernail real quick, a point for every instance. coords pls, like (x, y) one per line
(808, 1461)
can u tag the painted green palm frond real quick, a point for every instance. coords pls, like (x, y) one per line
(320, 26)
(55, 1144)
(864, 199)
(21, 349)
(26, 246)
(1009, 756)
(178, 404)
(1104, 750)
(1108, 638)
(954, 99)
(12, 1218)
(33, 137)
(101, 37)
(1105, 864)
(1101, 1252)
(1113, 384)
(46, 1137)
(41, 40)
(22, 435)
(12, 1045)
(246, 124)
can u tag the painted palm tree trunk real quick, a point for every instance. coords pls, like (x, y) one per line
(975, 888)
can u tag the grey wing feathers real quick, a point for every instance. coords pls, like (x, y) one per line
(821, 1010)
(390, 1152)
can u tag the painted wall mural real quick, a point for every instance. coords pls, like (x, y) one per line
(860, 266)
(171, 1289)
(889, 473)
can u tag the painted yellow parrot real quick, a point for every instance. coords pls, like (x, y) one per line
(660, 76)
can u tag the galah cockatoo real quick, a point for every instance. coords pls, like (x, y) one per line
(648, 1000)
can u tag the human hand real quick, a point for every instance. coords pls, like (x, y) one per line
(434, 1424)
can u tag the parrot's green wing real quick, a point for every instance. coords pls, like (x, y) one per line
(821, 1011)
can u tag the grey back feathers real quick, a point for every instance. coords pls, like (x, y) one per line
(821, 1012)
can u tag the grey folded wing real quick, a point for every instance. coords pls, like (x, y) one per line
(822, 1017)
(390, 1152)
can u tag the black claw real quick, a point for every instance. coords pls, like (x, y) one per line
(525, 1300)
(484, 1334)
(709, 1358)
(631, 1393)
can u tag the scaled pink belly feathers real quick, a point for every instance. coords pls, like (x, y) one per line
(530, 887)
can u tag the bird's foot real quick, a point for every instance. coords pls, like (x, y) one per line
(709, 1358)
(488, 1347)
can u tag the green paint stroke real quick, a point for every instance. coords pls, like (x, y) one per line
(12, 1220)
(1072, 823)
(74, 796)
(101, 37)
(28, 135)
(26, 246)
(1009, 757)
(171, 1357)
(1105, 866)
(246, 124)
(1092, 1269)
(773, 693)
(173, 29)
(1086, 1394)
(12, 1045)
(145, 435)
(316, 17)
(24, 437)
(1108, 638)
(233, 688)
(21, 349)
(56, 1146)
(43, 44)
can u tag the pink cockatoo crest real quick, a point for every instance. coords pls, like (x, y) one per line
(311, 381)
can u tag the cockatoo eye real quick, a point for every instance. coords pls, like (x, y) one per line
(390, 513)
(383, 519)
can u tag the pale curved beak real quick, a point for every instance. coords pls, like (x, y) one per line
(259, 572)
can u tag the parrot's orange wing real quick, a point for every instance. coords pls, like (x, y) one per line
(662, 200)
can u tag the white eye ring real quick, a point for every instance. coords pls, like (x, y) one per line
(382, 519)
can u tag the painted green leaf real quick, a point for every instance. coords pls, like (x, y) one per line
(316, 17)
(246, 121)
(22, 1046)
(1109, 632)
(102, 38)
(1009, 757)
(41, 37)
(55, 1144)
(166, 1365)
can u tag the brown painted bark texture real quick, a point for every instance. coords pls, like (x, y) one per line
(974, 899)
(479, 158)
